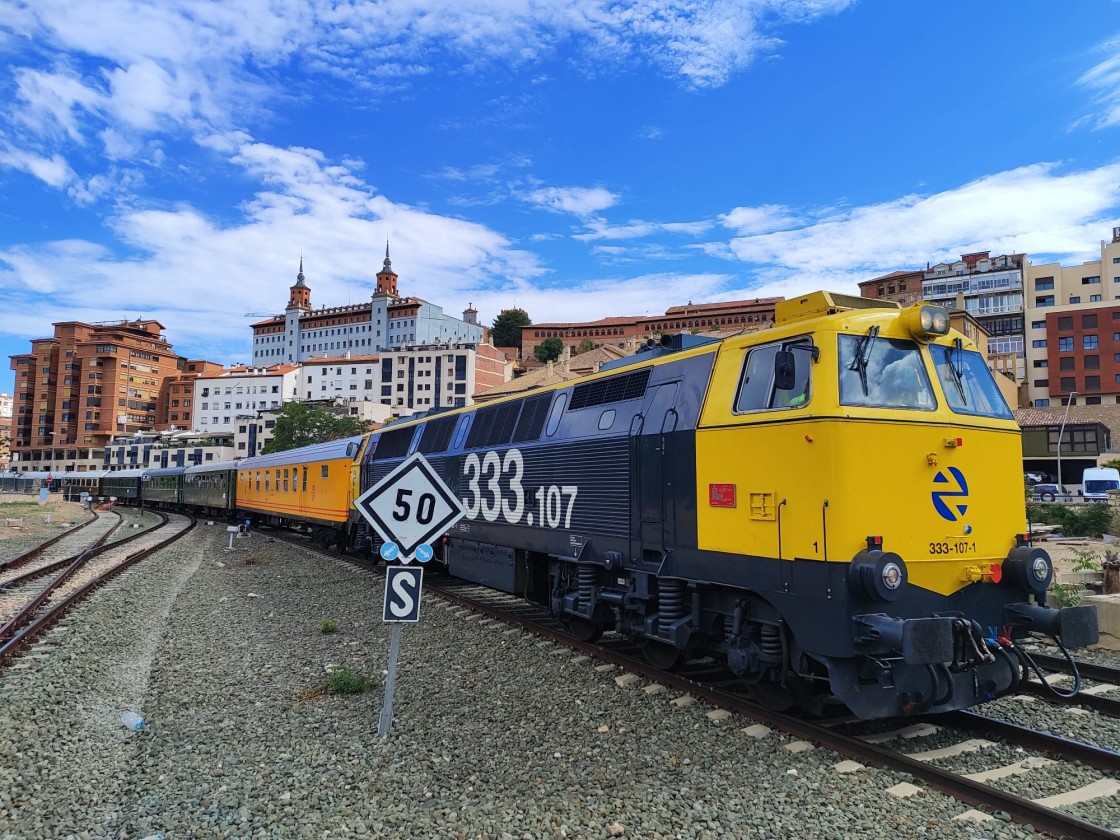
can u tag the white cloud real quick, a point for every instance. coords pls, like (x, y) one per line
(53, 170)
(580, 201)
(1104, 78)
(1036, 209)
(165, 63)
(761, 219)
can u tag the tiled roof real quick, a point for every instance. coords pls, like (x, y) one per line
(700, 308)
(1108, 415)
(614, 321)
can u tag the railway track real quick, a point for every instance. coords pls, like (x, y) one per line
(1014, 750)
(44, 604)
(959, 733)
(30, 555)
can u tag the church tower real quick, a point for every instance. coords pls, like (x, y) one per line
(386, 279)
(300, 293)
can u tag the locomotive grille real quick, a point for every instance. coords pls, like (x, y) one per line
(630, 386)
(437, 434)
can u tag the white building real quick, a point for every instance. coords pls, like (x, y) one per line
(387, 321)
(241, 391)
(408, 380)
(158, 450)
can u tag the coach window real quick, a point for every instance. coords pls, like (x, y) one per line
(285, 479)
(323, 473)
(258, 482)
(266, 475)
(305, 479)
(278, 481)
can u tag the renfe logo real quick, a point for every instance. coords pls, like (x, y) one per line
(953, 512)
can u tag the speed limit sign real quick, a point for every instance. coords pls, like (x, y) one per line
(411, 506)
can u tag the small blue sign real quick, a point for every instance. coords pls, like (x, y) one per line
(390, 551)
(424, 553)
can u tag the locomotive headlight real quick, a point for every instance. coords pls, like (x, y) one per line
(878, 575)
(927, 322)
(1040, 568)
(892, 576)
(1028, 568)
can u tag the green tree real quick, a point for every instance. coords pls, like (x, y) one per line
(549, 350)
(506, 331)
(300, 424)
(585, 346)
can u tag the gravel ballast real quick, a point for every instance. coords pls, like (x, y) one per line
(496, 734)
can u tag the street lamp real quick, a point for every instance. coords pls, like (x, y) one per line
(1061, 431)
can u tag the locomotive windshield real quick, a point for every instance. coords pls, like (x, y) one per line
(883, 372)
(967, 382)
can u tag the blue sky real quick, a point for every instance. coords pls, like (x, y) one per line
(578, 158)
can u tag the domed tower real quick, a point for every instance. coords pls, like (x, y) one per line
(386, 278)
(301, 293)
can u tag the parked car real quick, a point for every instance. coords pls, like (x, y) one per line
(1033, 478)
(1048, 492)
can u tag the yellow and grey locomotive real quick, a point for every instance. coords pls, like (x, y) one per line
(832, 505)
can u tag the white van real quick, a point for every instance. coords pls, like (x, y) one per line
(1095, 483)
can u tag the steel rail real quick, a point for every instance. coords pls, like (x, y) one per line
(18, 642)
(1048, 820)
(28, 556)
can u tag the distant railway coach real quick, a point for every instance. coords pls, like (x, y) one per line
(211, 487)
(124, 485)
(832, 506)
(162, 487)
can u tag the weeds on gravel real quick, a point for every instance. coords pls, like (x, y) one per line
(345, 681)
(328, 626)
(1069, 594)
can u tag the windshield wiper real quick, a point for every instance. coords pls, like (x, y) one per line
(862, 354)
(955, 357)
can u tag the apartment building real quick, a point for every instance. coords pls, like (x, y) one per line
(5, 430)
(903, 287)
(86, 383)
(408, 380)
(240, 391)
(160, 450)
(175, 406)
(1073, 330)
(387, 322)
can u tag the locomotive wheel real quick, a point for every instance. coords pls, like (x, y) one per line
(661, 656)
(582, 629)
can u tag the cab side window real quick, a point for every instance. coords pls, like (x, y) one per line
(760, 385)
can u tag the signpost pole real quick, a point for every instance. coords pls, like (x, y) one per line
(385, 722)
(409, 508)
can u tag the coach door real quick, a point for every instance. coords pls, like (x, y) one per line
(655, 473)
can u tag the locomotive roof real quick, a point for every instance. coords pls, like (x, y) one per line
(136, 473)
(164, 471)
(332, 450)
